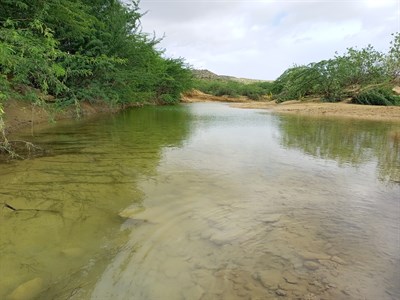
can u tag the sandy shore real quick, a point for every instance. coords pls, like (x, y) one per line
(312, 108)
(20, 114)
(341, 109)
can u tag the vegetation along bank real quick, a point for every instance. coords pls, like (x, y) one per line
(88, 56)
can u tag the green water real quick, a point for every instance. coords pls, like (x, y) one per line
(204, 201)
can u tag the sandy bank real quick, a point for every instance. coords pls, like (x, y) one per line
(312, 107)
(341, 109)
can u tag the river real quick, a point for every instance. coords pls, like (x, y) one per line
(204, 201)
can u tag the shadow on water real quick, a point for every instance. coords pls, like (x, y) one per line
(65, 227)
(346, 141)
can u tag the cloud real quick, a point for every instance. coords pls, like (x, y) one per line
(260, 39)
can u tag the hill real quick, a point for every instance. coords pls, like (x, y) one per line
(206, 74)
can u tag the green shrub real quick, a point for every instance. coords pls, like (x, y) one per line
(377, 96)
(218, 87)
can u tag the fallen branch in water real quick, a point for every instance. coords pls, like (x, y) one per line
(13, 148)
(6, 205)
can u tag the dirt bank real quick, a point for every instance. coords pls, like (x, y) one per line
(197, 96)
(312, 107)
(20, 114)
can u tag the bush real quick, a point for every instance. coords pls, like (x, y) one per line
(218, 87)
(377, 96)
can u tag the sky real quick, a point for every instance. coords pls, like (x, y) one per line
(260, 39)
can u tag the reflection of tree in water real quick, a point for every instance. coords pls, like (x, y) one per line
(346, 141)
(90, 175)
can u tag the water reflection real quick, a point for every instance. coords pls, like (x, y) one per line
(71, 198)
(346, 141)
(233, 215)
(203, 201)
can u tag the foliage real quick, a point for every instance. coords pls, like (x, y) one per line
(393, 58)
(377, 96)
(219, 87)
(79, 50)
(341, 77)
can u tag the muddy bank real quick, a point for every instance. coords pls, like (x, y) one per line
(21, 115)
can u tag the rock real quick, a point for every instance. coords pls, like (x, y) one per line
(272, 218)
(195, 292)
(310, 296)
(338, 260)
(396, 89)
(314, 256)
(316, 283)
(346, 292)
(289, 278)
(280, 292)
(311, 265)
(72, 252)
(28, 290)
(270, 278)
(205, 235)
(221, 238)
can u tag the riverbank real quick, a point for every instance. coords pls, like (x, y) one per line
(20, 115)
(312, 107)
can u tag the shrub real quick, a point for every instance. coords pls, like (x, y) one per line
(377, 96)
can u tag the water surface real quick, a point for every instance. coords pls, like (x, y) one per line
(204, 201)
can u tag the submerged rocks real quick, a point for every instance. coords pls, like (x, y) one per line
(306, 255)
(269, 279)
(28, 290)
(194, 292)
(338, 260)
(311, 265)
(280, 292)
(271, 218)
(289, 278)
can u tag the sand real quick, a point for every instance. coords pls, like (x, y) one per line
(312, 107)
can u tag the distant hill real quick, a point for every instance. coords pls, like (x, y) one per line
(206, 74)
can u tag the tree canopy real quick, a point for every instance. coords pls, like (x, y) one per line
(90, 50)
(364, 75)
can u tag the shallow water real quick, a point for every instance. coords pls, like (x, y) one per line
(204, 201)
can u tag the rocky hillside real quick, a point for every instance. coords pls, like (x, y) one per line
(206, 74)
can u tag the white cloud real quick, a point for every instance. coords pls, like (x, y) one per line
(260, 39)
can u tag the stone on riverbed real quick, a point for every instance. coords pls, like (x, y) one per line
(272, 218)
(338, 260)
(290, 278)
(28, 290)
(269, 278)
(311, 265)
(306, 255)
(280, 292)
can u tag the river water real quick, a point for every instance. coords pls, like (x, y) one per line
(204, 201)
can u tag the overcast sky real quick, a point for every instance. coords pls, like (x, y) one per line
(262, 38)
